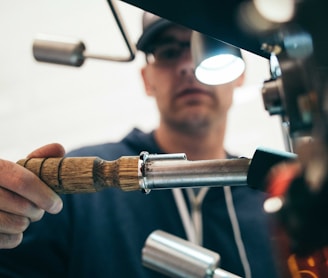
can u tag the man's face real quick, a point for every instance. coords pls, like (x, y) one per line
(183, 102)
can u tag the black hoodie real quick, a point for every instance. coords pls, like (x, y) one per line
(102, 234)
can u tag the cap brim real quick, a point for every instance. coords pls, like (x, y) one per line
(150, 33)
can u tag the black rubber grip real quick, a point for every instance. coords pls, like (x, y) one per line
(262, 162)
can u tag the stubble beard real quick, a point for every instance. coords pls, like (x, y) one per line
(192, 124)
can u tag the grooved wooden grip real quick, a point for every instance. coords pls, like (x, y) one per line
(85, 174)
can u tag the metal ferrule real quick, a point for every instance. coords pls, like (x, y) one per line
(175, 171)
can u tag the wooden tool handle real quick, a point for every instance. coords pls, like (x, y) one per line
(85, 174)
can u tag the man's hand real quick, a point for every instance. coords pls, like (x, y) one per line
(24, 197)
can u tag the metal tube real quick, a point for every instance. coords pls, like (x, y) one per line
(164, 174)
(175, 257)
(220, 273)
(64, 51)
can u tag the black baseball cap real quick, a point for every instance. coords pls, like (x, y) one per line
(152, 25)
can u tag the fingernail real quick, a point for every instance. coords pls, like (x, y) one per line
(57, 207)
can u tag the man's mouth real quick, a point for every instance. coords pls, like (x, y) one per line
(193, 92)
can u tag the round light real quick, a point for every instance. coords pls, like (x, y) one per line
(277, 10)
(220, 69)
(273, 204)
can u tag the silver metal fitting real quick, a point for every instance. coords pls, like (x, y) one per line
(147, 159)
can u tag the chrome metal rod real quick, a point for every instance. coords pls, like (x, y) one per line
(176, 257)
(180, 173)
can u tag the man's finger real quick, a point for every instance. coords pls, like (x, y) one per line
(8, 241)
(26, 184)
(50, 150)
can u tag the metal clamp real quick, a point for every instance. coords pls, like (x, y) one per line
(146, 159)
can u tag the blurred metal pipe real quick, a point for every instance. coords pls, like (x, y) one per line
(58, 50)
(72, 52)
(175, 257)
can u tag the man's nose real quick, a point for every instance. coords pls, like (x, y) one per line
(186, 66)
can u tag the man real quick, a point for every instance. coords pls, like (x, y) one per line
(102, 234)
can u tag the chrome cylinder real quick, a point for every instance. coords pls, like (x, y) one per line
(175, 257)
(64, 51)
(164, 172)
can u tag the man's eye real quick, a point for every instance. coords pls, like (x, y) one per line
(168, 53)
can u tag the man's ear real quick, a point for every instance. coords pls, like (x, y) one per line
(146, 82)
